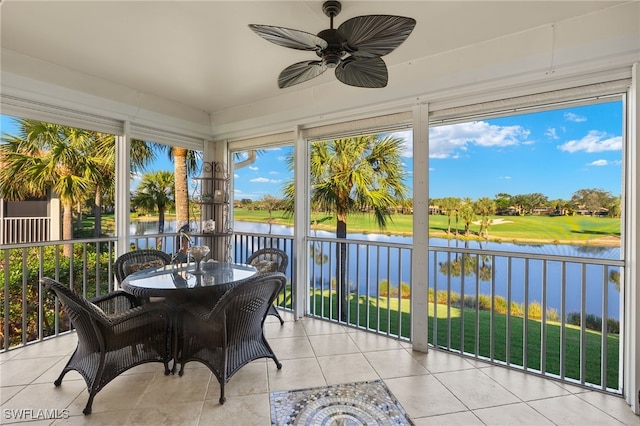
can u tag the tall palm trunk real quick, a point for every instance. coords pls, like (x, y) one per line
(181, 185)
(97, 213)
(67, 227)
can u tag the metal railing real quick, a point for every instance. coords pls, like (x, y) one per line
(555, 316)
(28, 313)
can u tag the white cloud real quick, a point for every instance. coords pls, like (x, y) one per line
(551, 132)
(505, 177)
(273, 172)
(594, 141)
(259, 180)
(264, 180)
(236, 176)
(449, 141)
(598, 163)
(570, 116)
(254, 168)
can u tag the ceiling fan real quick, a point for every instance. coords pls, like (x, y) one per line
(354, 49)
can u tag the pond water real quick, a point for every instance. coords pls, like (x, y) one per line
(394, 265)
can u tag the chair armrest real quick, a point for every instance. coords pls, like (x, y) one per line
(143, 310)
(115, 302)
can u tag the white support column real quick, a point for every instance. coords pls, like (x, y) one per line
(420, 256)
(300, 229)
(631, 336)
(122, 197)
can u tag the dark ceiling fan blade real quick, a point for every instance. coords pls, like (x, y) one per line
(287, 37)
(300, 72)
(372, 36)
(367, 72)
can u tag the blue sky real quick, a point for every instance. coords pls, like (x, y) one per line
(555, 152)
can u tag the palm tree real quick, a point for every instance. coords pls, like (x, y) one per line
(185, 163)
(485, 207)
(156, 190)
(50, 156)
(466, 213)
(363, 173)
(449, 205)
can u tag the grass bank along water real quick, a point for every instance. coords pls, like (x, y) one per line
(590, 230)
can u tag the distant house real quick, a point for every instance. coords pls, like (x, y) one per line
(31, 220)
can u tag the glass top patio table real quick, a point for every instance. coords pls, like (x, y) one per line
(175, 280)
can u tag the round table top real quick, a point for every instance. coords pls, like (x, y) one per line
(173, 279)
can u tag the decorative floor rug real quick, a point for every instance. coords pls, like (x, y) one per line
(352, 404)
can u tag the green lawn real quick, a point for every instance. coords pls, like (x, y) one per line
(557, 229)
(451, 335)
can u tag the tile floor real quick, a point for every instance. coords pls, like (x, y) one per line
(434, 388)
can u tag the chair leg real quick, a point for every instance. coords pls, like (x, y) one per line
(222, 398)
(58, 381)
(87, 408)
(273, 311)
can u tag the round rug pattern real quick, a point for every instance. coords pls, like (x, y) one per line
(352, 404)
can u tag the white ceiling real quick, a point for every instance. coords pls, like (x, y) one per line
(201, 56)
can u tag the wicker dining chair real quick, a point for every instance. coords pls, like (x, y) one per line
(111, 339)
(230, 335)
(270, 260)
(137, 260)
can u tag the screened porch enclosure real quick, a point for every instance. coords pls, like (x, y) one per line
(571, 319)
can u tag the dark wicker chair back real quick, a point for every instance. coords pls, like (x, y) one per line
(231, 335)
(277, 257)
(137, 260)
(112, 340)
(270, 260)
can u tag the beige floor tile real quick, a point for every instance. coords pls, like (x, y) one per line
(109, 418)
(423, 396)
(173, 389)
(296, 374)
(183, 414)
(122, 393)
(571, 410)
(292, 347)
(613, 405)
(46, 396)
(63, 345)
(439, 361)
(22, 371)
(520, 414)
(273, 329)
(525, 386)
(7, 355)
(250, 379)
(476, 390)
(314, 327)
(7, 392)
(466, 418)
(367, 341)
(347, 368)
(395, 363)
(333, 344)
(245, 410)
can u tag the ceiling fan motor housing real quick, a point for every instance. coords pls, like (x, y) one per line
(332, 55)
